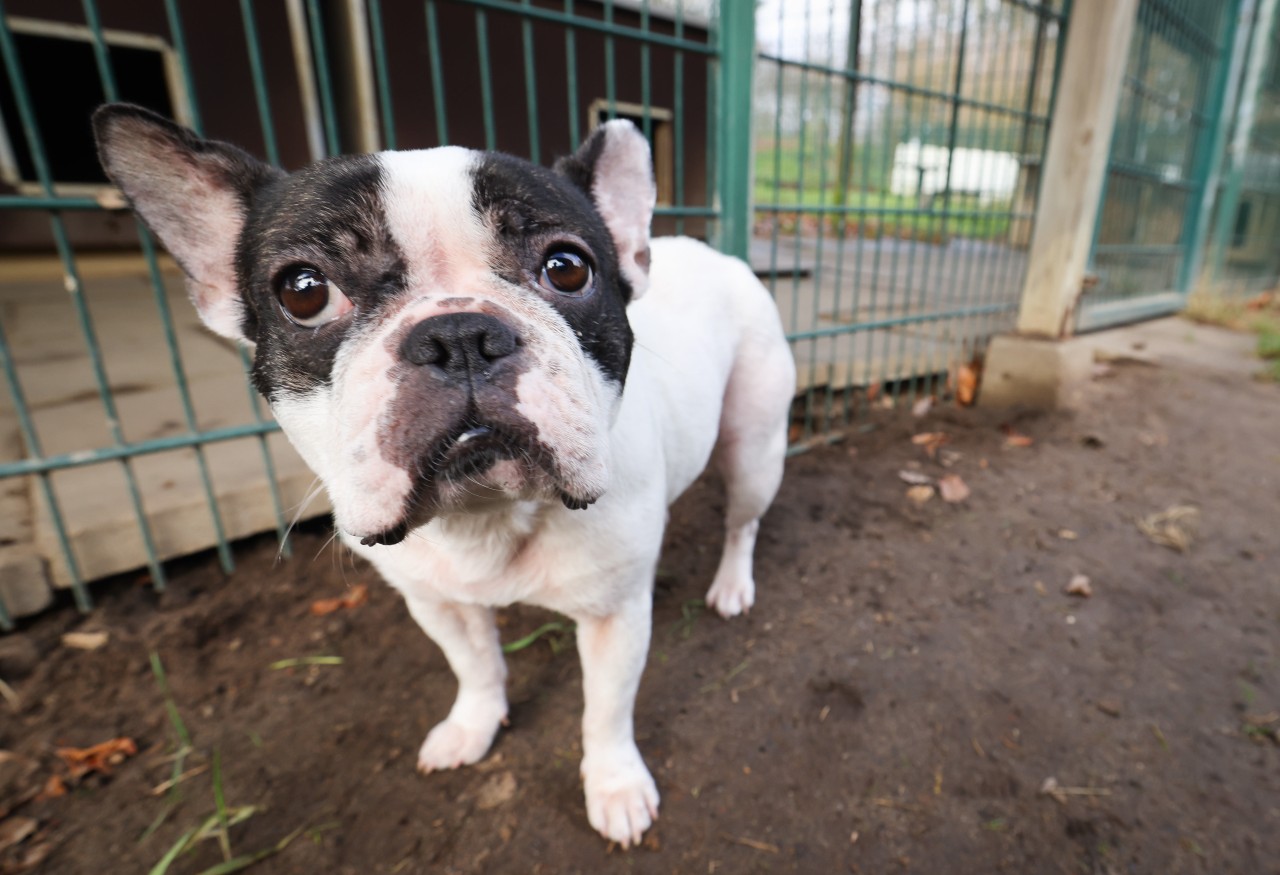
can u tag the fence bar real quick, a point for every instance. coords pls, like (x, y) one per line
(486, 84)
(437, 74)
(384, 78)
(736, 39)
(323, 78)
(571, 76)
(37, 464)
(260, 93)
(904, 87)
(73, 283)
(530, 85)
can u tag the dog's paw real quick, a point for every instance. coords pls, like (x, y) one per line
(731, 594)
(451, 744)
(622, 800)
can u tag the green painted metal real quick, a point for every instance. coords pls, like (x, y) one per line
(530, 86)
(75, 288)
(437, 75)
(1159, 194)
(736, 39)
(320, 51)
(1242, 253)
(260, 93)
(486, 79)
(386, 109)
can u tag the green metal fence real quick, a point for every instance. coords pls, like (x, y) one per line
(877, 161)
(1165, 151)
(898, 152)
(433, 81)
(1243, 253)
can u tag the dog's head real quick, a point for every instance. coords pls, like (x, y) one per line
(434, 329)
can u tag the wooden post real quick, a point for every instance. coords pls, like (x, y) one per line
(1075, 163)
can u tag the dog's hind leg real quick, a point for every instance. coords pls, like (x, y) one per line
(469, 638)
(750, 454)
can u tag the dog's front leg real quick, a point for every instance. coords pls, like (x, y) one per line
(469, 639)
(622, 800)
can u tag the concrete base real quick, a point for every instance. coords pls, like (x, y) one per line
(1032, 372)
(1047, 374)
(24, 581)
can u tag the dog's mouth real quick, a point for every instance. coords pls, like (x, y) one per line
(474, 462)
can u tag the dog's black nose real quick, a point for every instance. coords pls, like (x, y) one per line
(460, 344)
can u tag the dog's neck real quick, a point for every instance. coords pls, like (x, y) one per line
(497, 531)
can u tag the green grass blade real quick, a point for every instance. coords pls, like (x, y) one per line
(544, 629)
(306, 660)
(173, 853)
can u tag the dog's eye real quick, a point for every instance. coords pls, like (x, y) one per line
(566, 272)
(309, 299)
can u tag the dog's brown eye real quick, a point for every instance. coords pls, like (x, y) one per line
(567, 273)
(309, 299)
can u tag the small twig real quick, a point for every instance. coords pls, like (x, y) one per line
(10, 695)
(753, 843)
(165, 786)
(305, 660)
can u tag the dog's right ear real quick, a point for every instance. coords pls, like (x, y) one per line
(193, 194)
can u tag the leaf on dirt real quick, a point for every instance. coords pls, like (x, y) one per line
(920, 494)
(930, 441)
(99, 758)
(922, 406)
(358, 595)
(952, 489)
(1173, 528)
(1080, 586)
(966, 384)
(16, 830)
(85, 640)
(52, 789)
(915, 478)
(1014, 438)
(498, 790)
(1068, 535)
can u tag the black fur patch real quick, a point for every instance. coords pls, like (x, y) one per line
(532, 209)
(328, 216)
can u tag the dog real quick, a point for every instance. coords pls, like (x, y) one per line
(502, 383)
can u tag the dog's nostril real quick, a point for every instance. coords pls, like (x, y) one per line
(459, 343)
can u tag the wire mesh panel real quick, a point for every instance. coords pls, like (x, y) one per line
(1243, 255)
(1162, 149)
(897, 162)
(128, 434)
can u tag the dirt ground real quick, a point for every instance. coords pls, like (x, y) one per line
(910, 677)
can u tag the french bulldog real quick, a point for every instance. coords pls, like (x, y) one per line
(502, 383)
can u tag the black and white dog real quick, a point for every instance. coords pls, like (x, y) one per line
(501, 385)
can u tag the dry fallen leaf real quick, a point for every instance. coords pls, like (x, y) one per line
(99, 758)
(952, 489)
(966, 384)
(1080, 586)
(53, 788)
(1173, 528)
(358, 595)
(920, 494)
(85, 640)
(931, 441)
(1067, 535)
(921, 407)
(915, 478)
(1013, 438)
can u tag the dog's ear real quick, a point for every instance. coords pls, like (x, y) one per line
(615, 168)
(193, 194)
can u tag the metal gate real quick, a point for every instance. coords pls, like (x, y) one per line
(1154, 218)
(899, 145)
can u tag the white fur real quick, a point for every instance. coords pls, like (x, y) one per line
(710, 364)
(625, 194)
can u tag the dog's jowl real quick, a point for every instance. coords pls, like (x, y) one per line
(501, 381)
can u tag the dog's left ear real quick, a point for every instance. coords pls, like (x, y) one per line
(615, 168)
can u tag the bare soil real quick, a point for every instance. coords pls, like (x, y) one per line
(909, 678)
